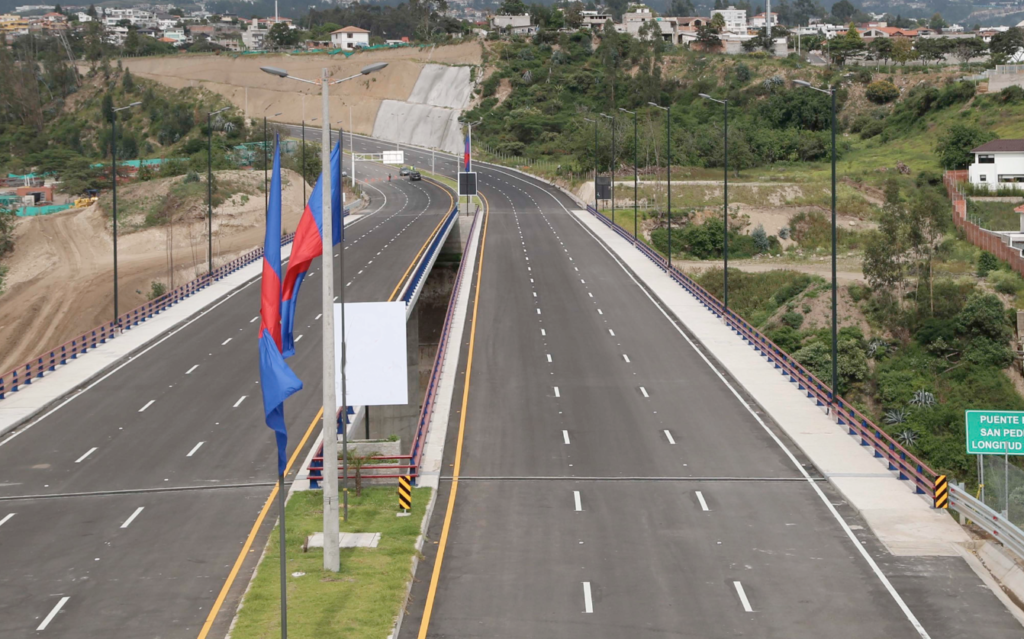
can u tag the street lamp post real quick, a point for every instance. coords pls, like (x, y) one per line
(668, 172)
(209, 188)
(595, 162)
(725, 207)
(113, 171)
(332, 560)
(831, 91)
(612, 163)
(636, 181)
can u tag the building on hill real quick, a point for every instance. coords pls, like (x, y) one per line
(595, 20)
(758, 21)
(998, 164)
(735, 19)
(350, 38)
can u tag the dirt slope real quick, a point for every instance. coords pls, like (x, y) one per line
(60, 282)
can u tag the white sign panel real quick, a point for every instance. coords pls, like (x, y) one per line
(375, 361)
(393, 157)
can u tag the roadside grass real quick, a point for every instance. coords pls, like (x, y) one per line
(756, 296)
(360, 601)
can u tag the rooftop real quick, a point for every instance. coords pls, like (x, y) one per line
(1001, 146)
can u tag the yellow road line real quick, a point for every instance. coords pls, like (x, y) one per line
(252, 535)
(428, 608)
(422, 248)
(273, 493)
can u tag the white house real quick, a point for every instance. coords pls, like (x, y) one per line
(350, 38)
(84, 17)
(757, 22)
(735, 19)
(510, 22)
(998, 164)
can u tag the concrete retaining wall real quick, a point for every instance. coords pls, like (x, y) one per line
(429, 117)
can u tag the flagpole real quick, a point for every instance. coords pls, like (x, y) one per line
(284, 583)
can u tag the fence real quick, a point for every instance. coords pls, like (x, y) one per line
(994, 243)
(907, 466)
(39, 366)
(398, 462)
(992, 522)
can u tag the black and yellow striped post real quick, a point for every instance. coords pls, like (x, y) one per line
(941, 492)
(405, 493)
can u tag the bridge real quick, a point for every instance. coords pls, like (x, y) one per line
(613, 465)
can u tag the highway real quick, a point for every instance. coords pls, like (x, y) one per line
(613, 482)
(123, 510)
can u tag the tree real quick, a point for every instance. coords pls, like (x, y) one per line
(107, 107)
(882, 92)
(884, 264)
(903, 51)
(131, 41)
(937, 23)
(91, 12)
(58, 9)
(932, 49)
(682, 8)
(954, 146)
(707, 34)
(881, 49)
(281, 35)
(574, 15)
(966, 48)
(1007, 44)
(843, 48)
(512, 8)
(844, 10)
(761, 41)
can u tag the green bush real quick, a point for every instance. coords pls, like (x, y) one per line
(882, 92)
(156, 290)
(785, 337)
(793, 319)
(987, 262)
(1006, 282)
(792, 289)
(871, 129)
(1012, 93)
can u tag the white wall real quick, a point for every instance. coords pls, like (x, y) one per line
(1005, 164)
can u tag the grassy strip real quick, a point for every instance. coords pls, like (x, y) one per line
(360, 601)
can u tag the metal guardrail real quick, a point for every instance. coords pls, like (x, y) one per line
(409, 464)
(906, 465)
(37, 367)
(987, 519)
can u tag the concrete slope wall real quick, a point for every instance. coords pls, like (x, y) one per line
(429, 116)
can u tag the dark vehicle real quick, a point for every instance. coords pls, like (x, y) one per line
(404, 171)
(414, 176)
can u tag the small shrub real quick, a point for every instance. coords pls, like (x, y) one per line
(1012, 93)
(871, 129)
(786, 337)
(882, 92)
(784, 233)
(863, 76)
(1006, 282)
(191, 177)
(791, 290)
(987, 262)
(793, 319)
(857, 292)
(156, 290)
(760, 238)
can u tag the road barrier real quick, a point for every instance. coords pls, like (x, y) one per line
(39, 366)
(990, 521)
(409, 464)
(907, 466)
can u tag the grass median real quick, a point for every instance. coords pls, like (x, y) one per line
(358, 602)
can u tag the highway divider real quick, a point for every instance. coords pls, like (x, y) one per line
(906, 465)
(39, 366)
(408, 465)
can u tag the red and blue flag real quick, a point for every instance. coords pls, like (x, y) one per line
(467, 154)
(277, 381)
(308, 245)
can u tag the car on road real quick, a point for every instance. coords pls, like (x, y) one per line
(414, 176)
(404, 171)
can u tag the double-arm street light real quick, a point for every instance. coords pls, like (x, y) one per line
(668, 172)
(595, 160)
(113, 171)
(831, 91)
(209, 188)
(725, 206)
(636, 181)
(330, 424)
(612, 164)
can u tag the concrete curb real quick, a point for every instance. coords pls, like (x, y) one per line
(999, 572)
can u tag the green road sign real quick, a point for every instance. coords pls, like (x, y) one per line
(995, 432)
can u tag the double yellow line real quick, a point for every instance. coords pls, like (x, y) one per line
(226, 588)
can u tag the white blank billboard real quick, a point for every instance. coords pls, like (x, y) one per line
(376, 364)
(393, 157)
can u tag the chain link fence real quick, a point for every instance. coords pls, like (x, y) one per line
(1002, 482)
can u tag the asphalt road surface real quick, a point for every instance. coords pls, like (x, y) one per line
(613, 484)
(147, 484)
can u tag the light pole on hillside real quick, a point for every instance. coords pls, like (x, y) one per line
(209, 188)
(725, 207)
(266, 174)
(668, 172)
(636, 180)
(612, 164)
(113, 171)
(595, 162)
(330, 415)
(831, 91)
